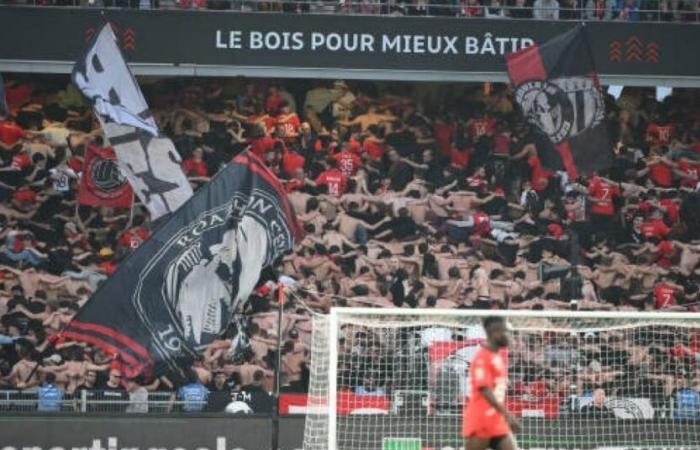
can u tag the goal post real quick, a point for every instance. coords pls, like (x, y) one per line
(389, 379)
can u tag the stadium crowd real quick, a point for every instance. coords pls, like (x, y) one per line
(620, 10)
(410, 196)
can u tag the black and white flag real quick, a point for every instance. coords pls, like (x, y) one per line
(150, 162)
(181, 288)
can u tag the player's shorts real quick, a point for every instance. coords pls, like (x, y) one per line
(485, 427)
(495, 442)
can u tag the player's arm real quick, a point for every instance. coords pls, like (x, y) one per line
(488, 394)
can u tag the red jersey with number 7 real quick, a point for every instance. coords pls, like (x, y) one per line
(602, 195)
(664, 296)
(488, 369)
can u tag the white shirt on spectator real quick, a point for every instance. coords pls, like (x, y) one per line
(546, 10)
(61, 177)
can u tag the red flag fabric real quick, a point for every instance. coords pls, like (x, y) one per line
(102, 183)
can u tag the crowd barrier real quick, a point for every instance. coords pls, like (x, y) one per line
(108, 432)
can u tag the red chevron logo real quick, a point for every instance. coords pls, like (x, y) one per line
(615, 51)
(634, 49)
(129, 39)
(652, 52)
(633, 41)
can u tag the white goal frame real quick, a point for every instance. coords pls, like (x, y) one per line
(337, 312)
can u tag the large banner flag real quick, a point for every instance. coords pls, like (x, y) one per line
(4, 110)
(557, 89)
(102, 182)
(179, 290)
(150, 163)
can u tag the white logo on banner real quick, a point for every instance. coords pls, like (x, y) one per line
(563, 107)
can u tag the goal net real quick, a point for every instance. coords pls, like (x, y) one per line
(396, 379)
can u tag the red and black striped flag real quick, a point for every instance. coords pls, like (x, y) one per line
(557, 89)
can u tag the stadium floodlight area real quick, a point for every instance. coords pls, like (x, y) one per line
(397, 379)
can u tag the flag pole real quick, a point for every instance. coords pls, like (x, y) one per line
(278, 370)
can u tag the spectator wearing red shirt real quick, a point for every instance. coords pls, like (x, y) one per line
(480, 126)
(296, 182)
(25, 196)
(603, 195)
(665, 294)
(195, 167)
(107, 263)
(288, 123)
(21, 160)
(333, 178)
(689, 173)
(482, 223)
(459, 158)
(292, 162)
(539, 176)
(347, 162)
(273, 101)
(654, 228)
(671, 210)
(134, 237)
(471, 8)
(659, 134)
(261, 143)
(191, 4)
(444, 131)
(17, 94)
(10, 134)
(659, 170)
(372, 145)
(664, 253)
(477, 182)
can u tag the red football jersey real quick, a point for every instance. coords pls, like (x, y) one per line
(290, 125)
(602, 195)
(482, 222)
(488, 369)
(664, 296)
(335, 180)
(481, 126)
(374, 148)
(692, 172)
(194, 168)
(348, 162)
(654, 229)
(659, 134)
(661, 174)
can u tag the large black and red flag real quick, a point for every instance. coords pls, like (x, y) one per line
(102, 183)
(557, 89)
(180, 289)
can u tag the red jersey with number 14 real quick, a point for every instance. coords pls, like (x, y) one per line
(488, 369)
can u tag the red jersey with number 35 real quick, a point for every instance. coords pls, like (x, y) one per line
(488, 369)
